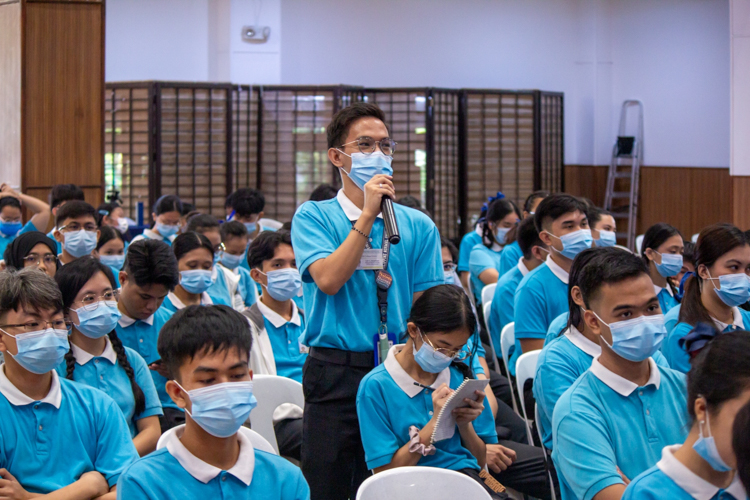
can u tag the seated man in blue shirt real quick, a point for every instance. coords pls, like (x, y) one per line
(11, 224)
(234, 240)
(58, 196)
(613, 422)
(205, 350)
(148, 275)
(77, 230)
(246, 206)
(56, 434)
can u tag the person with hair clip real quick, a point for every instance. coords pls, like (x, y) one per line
(713, 294)
(512, 252)
(234, 241)
(705, 465)
(111, 214)
(110, 250)
(484, 261)
(195, 262)
(32, 249)
(166, 215)
(603, 227)
(661, 250)
(97, 357)
(741, 444)
(398, 403)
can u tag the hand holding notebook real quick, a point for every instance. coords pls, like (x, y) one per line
(445, 426)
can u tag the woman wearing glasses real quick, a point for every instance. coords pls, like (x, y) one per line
(32, 249)
(398, 403)
(97, 358)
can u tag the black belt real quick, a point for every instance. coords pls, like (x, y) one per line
(340, 357)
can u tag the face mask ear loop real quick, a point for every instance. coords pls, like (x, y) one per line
(187, 394)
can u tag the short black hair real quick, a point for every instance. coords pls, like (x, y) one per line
(446, 243)
(107, 234)
(189, 241)
(594, 214)
(247, 201)
(64, 192)
(555, 206)
(151, 262)
(528, 237)
(342, 121)
(72, 210)
(530, 199)
(608, 266)
(202, 329)
(287, 226)
(168, 203)
(9, 201)
(575, 316)
(688, 252)
(202, 222)
(187, 208)
(232, 229)
(105, 209)
(323, 192)
(409, 201)
(264, 247)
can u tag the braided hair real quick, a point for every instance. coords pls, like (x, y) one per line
(71, 278)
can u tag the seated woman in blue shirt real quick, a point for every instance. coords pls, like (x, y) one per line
(97, 358)
(661, 250)
(713, 294)
(166, 215)
(484, 261)
(398, 402)
(110, 248)
(704, 466)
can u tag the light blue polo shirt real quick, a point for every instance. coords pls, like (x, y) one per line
(541, 297)
(105, 373)
(624, 425)
(388, 403)
(509, 258)
(350, 319)
(671, 319)
(476, 366)
(49, 444)
(501, 310)
(51, 235)
(678, 358)
(247, 286)
(558, 324)
(285, 337)
(7, 240)
(468, 242)
(481, 259)
(153, 235)
(671, 479)
(142, 337)
(666, 299)
(174, 472)
(172, 303)
(219, 290)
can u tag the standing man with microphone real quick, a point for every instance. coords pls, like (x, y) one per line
(357, 287)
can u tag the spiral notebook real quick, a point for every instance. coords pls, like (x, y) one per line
(446, 422)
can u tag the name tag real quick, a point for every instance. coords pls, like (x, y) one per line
(303, 349)
(372, 260)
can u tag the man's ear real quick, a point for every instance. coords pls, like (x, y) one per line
(539, 253)
(335, 156)
(546, 238)
(261, 214)
(177, 395)
(123, 277)
(256, 276)
(98, 233)
(251, 375)
(575, 293)
(58, 236)
(592, 322)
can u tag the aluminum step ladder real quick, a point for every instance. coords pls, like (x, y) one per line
(621, 198)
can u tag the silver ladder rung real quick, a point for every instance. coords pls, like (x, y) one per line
(623, 175)
(619, 235)
(621, 215)
(620, 194)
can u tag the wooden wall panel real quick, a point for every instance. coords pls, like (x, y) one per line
(689, 198)
(741, 202)
(10, 92)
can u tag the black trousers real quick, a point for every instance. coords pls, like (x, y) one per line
(528, 474)
(289, 437)
(171, 418)
(333, 459)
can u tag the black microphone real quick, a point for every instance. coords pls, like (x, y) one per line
(389, 220)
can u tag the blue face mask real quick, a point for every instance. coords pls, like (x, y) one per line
(40, 351)
(10, 228)
(637, 339)
(283, 284)
(196, 281)
(98, 322)
(501, 235)
(251, 227)
(606, 239)
(734, 289)
(221, 409)
(448, 278)
(574, 243)
(706, 448)
(79, 243)
(671, 264)
(231, 261)
(429, 359)
(365, 167)
(113, 261)
(165, 230)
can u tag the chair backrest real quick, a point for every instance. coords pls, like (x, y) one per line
(638, 243)
(259, 443)
(488, 292)
(486, 308)
(271, 224)
(472, 297)
(525, 370)
(420, 483)
(272, 391)
(508, 339)
(694, 239)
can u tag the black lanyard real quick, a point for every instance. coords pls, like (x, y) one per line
(383, 281)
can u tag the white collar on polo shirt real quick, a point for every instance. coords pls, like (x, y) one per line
(205, 300)
(83, 357)
(17, 398)
(243, 469)
(275, 318)
(558, 271)
(125, 320)
(350, 209)
(736, 320)
(620, 385)
(658, 289)
(577, 339)
(404, 380)
(522, 267)
(694, 485)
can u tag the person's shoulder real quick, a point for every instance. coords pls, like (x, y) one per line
(377, 377)
(163, 314)
(680, 329)
(651, 483)
(134, 358)
(282, 467)
(148, 465)
(672, 376)
(539, 273)
(84, 396)
(745, 315)
(317, 207)
(415, 217)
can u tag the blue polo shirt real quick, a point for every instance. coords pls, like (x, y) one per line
(350, 319)
(75, 429)
(624, 425)
(541, 297)
(285, 337)
(219, 290)
(501, 311)
(509, 258)
(481, 259)
(105, 373)
(468, 242)
(172, 303)
(150, 234)
(174, 472)
(558, 324)
(51, 235)
(388, 403)
(142, 336)
(6, 240)
(666, 299)
(247, 287)
(476, 366)
(671, 479)
(671, 319)
(678, 358)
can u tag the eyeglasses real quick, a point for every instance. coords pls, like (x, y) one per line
(449, 267)
(74, 226)
(33, 326)
(220, 248)
(14, 221)
(457, 354)
(34, 260)
(91, 302)
(367, 145)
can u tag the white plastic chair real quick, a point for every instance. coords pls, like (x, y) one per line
(272, 391)
(507, 340)
(421, 483)
(259, 443)
(472, 298)
(694, 239)
(638, 243)
(486, 308)
(525, 370)
(271, 224)
(539, 433)
(488, 292)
